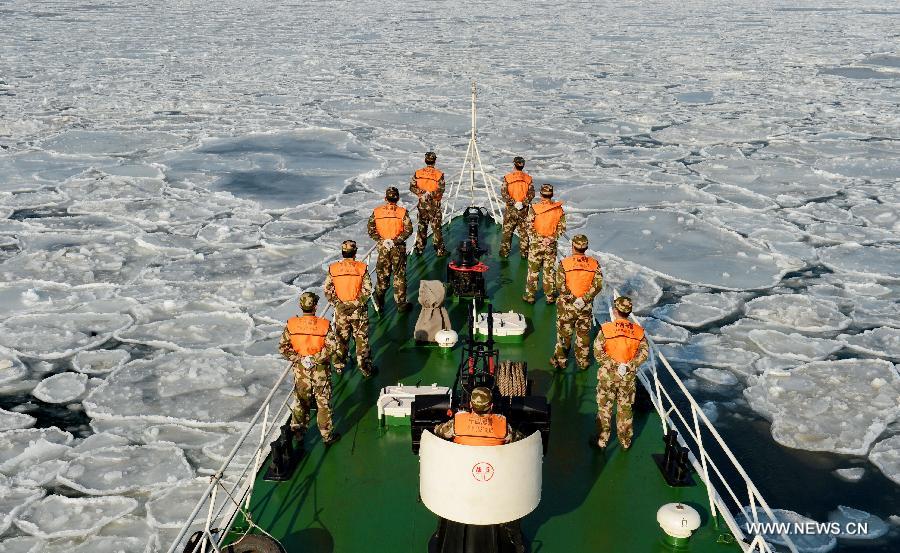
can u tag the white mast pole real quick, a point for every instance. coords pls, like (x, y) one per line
(475, 148)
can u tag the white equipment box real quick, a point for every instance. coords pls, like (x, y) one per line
(395, 402)
(505, 324)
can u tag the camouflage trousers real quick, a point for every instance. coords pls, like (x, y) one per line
(514, 219)
(391, 262)
(541, 260)
(615, 389)
(355, 324)
(429, 215)
(312, 385)
(570, 320)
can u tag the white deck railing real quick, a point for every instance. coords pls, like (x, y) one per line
(692, 424)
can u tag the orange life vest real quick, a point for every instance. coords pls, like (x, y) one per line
(307, 334)
(623, 338)
(389, 220)
(427, 179)
(547, 216)
(517, 183)
(347, 276)
(580, 270)
(474, 429)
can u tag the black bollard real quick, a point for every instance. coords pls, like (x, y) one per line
(673, 463)
(285, 456)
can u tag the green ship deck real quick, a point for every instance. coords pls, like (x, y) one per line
(361, 495)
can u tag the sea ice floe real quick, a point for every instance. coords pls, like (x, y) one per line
(662, 332)
(61, 388)
(132, 526)
(787, 183)
(740, 196)
(852, 474)
(629, 280)
(793, 346)
(710, 351)
(840, 406)
(878, 215)
(258, 263)
(193, 331)
(126, 469)
(660, 240)
(746, 222)
(839, 233)
(827, 212)
(96, 441)
(15, 444)
(23, 544)
(32, 296)
(108, 544)
(881, 342)
(182, 436)
(59, 335)
(109, 142)
(699, 309)
(869, 312)
(185, 387)
(880, 262)
(231, 233)
(100, 361)
(102, 186)
(171, 508)
(11, 368)
(886, 456)
(13, 500)
(718, 377)
(804, 543)
(10, 420)
(33, 199)
(288, 232)
(36, 452)
(79, 258)
(848, 517)
(608, 196)
(798, 312)
(40, 474)
(57, 516)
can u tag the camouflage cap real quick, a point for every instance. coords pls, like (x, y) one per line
(309, 301)
(623, 305)
(392, 194)
(580, 242)
(430, 157)
(547, 190)
(348, 246)
(519, 161)
(481, 399)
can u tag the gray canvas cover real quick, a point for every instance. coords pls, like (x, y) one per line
(433, 316)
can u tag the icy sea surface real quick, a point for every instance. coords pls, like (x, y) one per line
(171, 173)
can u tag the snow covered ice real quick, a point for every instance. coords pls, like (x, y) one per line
(57, 516)
(840, 406)
(61, 388)
(118, 470)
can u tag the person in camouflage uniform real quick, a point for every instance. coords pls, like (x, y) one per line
(546, 222)
(307, 342)
(579, 279)
(390, 226)
(517, 193)
(348, 287)
(481, 403)
(620, 348)
(428, 185)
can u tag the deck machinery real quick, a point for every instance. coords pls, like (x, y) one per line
(480, 366)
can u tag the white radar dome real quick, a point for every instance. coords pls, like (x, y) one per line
(678, 520)
(446, 338)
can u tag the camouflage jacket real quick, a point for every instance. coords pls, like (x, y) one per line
(533, 235)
